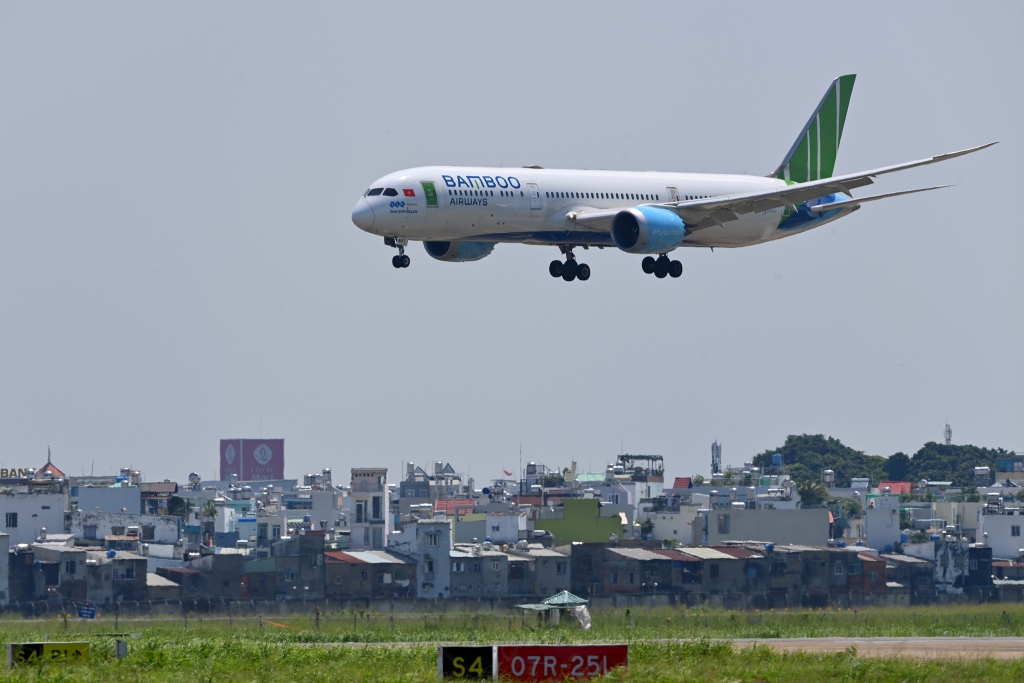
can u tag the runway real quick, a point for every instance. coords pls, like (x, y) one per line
(917, 648)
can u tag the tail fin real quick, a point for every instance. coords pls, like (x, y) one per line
(813, 155)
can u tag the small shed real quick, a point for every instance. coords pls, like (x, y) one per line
(550, 609)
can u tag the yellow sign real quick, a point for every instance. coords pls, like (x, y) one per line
(34, 653)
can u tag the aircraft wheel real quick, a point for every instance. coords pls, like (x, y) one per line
(675, 268)
(648, 264)
(555, 269)
(569, 271)
(404, 260)
(661, 268)
(396, 261)
(583, 272)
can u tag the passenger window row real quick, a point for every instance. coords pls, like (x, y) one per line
(604, 195)
(471, 193)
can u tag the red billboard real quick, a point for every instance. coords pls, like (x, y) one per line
(559, 662)
(252, 459)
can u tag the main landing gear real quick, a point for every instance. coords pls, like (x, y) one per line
(401, 259)
(662, 266)
(570, 270)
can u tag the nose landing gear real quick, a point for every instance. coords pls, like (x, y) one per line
(661, 266)
(401, 259)
(570, 270)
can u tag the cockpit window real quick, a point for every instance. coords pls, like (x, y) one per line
(390, 192)
(374, 192)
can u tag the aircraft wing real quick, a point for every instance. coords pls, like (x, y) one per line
(704, 213)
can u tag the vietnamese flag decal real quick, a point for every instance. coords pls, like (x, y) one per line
(409, 193)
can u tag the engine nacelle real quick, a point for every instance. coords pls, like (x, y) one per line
(458, 252)
(647, 230)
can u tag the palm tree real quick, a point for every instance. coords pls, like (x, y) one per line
(812, 494)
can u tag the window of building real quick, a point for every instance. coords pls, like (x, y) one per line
(476, 567)
(495, 566)
(377, 510)
(289, 577)
(428, 566)
(839, 570)
(364, 575)
(615, 577)
(495, 527)
(434, 540)
(458, 566)
(560, 568)
(723, 524)
(1014, 530)
(70, 567)
(89, 531)
(12, 520)
(380, 578)
(148, 533)
(366, 536)
(874, 577)
(401, 575)
(117, 531)
(631, 577)
(337, 580)
(516, 571)
(713, 570)
(277, 531)
(856, 569)
(261, 532)
(263, 581)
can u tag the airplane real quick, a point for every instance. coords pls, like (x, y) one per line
(461, 213)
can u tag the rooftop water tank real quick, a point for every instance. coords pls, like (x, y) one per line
(777, 460)
(841, 544)
(935, 537)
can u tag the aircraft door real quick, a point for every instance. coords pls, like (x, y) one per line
(673, 194)
(534, 193)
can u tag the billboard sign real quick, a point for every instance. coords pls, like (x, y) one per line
(252, 459)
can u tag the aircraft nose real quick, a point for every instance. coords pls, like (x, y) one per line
(362, 215)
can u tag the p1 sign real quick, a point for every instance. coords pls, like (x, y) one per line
(559, 662)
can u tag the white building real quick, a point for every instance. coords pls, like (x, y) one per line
(882, 523)
(25, 515)
(1005, 533)
(781, 527)
(429, 544)
(108, 498)
(152, 528)
(370, 522)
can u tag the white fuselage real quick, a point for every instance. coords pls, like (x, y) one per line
(530, 205)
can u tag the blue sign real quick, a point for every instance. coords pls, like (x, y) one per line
(87, 611)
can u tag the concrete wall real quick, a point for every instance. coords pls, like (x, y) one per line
(781, 527)
(109, 499)
(35, 511)
(882, 523)
(165, 528)
(1001, 538)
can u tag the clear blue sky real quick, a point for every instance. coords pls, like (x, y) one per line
(177, 263)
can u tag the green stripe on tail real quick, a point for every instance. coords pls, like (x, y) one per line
(813, 155)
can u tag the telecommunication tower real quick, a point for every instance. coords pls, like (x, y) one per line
(716, 458)
(948, 433)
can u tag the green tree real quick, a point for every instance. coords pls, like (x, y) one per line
(806, 455)
(697, 480)
(897, 468)
(210, 509)
(646, 528)
(812, 493)
(179, 506)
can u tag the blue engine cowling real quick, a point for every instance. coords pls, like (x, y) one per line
(458, 252)
(647, 230)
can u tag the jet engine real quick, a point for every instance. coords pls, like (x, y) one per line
(647, 230)
(458, 252)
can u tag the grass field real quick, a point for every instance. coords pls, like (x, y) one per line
(292, 648)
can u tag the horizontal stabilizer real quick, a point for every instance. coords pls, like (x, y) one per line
(855, 202)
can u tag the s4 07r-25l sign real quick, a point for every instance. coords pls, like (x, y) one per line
(531, 662)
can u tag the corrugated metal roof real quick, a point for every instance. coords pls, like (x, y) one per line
(637, 553)
(706, 553)
(908, 559)
(739, 553)
(365, 557)
(157, 581)
(676, 555)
